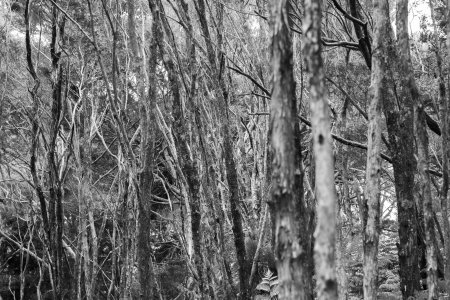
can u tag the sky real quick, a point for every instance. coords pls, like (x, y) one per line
(417, 8)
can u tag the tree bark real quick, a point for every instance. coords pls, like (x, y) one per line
(427, 200)
(378, 94)
(445, 119)
(325, 234)
(401, 132)
(147, 162)
(292, 247)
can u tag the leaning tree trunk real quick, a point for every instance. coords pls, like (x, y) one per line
(288, 207)
(371, 229)
(325, 234)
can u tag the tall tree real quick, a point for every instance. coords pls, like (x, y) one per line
(445, 119)
(426, 197)
(378, 93)
(147, 151)
(399, 121)
(292, 246)
(325, 234)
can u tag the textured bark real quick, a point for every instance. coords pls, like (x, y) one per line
(401, 137)
(147, 116)
(288, 207)
(325, 234)
(230, 164)
(427, 200)
(371, 229)
(445, 119)
(55, 189)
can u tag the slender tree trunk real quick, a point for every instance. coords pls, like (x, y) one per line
(425, 190)
(445, 126)
(401, 132)
(343, 206)
(52, 215)
(147, 165)
(325, 234)
(371, 229)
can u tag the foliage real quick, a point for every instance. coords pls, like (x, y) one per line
(267, 289)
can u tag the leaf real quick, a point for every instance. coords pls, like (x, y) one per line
(263, 287)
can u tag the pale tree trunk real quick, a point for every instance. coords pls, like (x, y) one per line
(371, 230)
(288, 208)
(325, 234)
(426, 197)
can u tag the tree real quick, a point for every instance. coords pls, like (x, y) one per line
(324, 248)
(288, 208)
(378, 94)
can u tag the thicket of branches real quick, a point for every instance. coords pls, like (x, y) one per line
(208, 149)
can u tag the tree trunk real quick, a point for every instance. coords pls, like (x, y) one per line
(401, 132)
(325, 234)
(371, 229)
(426, 197)
(288, 207)
(445, 126)
(52, 215)
(147, 164)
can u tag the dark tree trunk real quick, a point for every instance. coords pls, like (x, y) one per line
(445, 125)
(399, 122)
(147, 164)
(427, 200)
(292, 245)
(52, 215)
